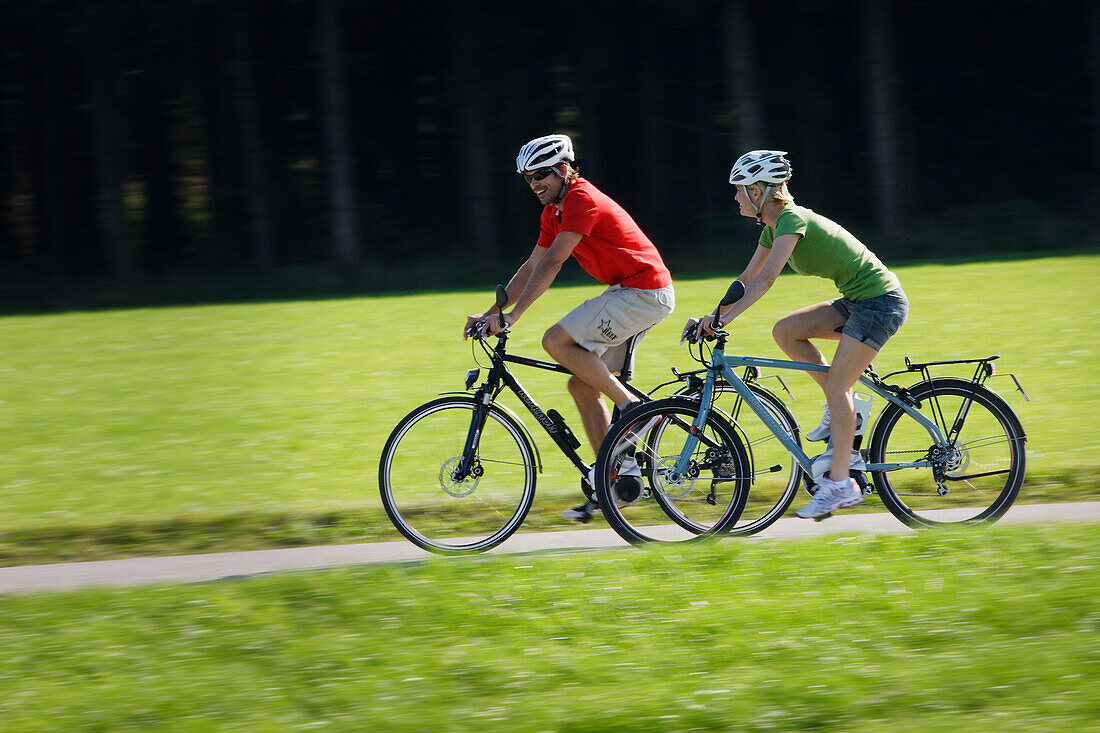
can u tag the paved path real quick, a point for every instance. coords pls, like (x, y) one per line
(197, 568)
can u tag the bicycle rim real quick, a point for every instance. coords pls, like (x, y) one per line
(776, 475)
(674, 509)
(429, 505)
(983, 470)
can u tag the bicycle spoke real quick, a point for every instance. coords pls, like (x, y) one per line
(418, 485)
(975, 478)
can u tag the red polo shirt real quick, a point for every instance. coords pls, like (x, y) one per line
(612, 248)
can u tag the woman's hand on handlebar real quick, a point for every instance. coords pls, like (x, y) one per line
(698, 328)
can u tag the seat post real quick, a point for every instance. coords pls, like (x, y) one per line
(626, 372)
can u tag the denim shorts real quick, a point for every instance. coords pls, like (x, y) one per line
(875, 320)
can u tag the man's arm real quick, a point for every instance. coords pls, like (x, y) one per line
(543, 272)
(545, 264)
(515, 286)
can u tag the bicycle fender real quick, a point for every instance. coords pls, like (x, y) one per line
(930, 384)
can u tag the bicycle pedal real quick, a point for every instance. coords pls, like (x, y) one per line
(823, 516)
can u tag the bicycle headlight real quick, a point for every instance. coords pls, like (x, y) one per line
(471, 377)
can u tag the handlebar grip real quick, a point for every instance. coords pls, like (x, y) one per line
(502, 300)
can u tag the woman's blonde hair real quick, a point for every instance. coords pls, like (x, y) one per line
(775, 193)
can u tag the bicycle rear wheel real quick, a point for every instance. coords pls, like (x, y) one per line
(417, 477)
(703, 503)
(982, 470)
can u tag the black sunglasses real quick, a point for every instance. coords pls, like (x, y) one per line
(538, 175)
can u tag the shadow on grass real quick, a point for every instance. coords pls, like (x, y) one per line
(25, 294)
(270, 530)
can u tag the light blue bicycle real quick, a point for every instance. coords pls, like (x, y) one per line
(943, 451)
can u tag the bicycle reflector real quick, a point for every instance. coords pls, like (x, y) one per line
(471, 377)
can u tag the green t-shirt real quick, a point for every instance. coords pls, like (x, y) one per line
(827, 250)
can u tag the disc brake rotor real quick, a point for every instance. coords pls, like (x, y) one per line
(673, 490)
(455, 488)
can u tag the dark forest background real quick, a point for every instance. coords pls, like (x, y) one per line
(230, 148)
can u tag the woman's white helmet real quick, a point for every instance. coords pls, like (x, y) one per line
(544, 152)
(761, 166)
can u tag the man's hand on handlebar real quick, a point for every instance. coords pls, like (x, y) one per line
(473, 325)
(487, 324)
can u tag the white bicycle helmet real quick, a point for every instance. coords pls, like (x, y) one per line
(761, 166)
(544, 152)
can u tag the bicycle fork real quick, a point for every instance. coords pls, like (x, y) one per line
(469, 465)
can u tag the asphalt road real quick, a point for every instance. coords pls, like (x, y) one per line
(215, 566)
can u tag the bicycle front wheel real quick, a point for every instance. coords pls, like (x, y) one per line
(776, 475)
(428, 499)
(702, 502)
(980, 471)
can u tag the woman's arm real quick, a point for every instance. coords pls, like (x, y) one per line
(760, 274)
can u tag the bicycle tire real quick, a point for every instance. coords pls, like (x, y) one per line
(699, 507)
(983, 472)
(450, 517)
(776, 474)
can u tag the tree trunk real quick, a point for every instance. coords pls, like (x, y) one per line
(746, 109)
(887, 167)
(345, 227)
(100, 56)
(49, 173)
(653, 134)
(1094, 44)
(477, 189)
(248, 127)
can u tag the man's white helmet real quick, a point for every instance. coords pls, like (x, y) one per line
(544, 152)
(761, 166)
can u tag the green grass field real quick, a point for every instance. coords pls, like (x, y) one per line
(259, 425)
(944, 631)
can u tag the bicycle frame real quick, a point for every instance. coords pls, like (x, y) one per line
(722, 365)
(499, 378)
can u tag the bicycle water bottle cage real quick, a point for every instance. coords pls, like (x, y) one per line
(559, 423)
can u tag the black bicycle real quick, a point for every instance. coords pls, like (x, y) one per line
(457, 474)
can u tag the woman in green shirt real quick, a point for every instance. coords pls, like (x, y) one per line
(872, 307)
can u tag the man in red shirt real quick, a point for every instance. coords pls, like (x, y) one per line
(592, 339)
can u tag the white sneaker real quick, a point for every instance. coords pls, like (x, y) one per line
(829, 496)
(630, 467)
(582, 512)
(631, 437)
(823, 464)
(628, 480)
(821, 432)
